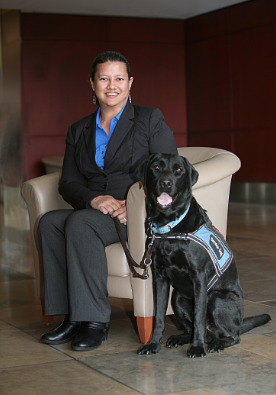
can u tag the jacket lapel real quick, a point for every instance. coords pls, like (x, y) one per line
(90, 137)
(123, 126)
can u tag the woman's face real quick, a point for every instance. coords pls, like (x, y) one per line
(111, 85)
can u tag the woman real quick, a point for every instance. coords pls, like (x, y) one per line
(102, 153)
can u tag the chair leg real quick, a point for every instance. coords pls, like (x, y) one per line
(47, 319)
(145, 325)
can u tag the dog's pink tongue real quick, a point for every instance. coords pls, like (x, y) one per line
(164, 199)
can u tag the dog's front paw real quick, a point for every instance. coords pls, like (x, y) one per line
(196, 351)
(178, 340)
(216, 345)
(151, 348)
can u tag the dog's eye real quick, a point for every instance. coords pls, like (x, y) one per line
(156, 167)
(179, 170)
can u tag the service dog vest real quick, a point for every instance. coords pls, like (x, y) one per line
(214, 243)
(209, 238)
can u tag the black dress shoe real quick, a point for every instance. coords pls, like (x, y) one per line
(90, 336)
(63, 333)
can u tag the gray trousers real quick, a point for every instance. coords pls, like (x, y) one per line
(75, 267)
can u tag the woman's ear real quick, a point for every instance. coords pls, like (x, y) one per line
(92, 84)
(130, 83)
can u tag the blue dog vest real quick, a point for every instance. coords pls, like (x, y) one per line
(209, 238)
(213, 242)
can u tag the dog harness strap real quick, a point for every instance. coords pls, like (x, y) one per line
(211, 240)
(167, 228)
(214, 242)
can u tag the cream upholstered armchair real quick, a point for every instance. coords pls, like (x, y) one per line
(215, 167)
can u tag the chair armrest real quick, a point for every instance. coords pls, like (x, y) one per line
(41, 194)
(212, 164)
(136, 214)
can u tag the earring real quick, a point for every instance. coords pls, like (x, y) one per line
(94, 98)
(129, 97)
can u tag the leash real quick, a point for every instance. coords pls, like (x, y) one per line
(146, 261)
(153, 230)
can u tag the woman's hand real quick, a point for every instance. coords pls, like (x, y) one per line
(121, 213)
(108, 205)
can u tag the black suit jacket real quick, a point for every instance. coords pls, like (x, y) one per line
(140, 132)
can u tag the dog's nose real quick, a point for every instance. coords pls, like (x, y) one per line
(166, 184)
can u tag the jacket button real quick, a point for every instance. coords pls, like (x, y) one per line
(104, 186)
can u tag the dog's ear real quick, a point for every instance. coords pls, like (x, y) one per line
(193, 173)
(141, 171)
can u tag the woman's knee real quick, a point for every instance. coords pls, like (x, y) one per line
(76, 221)
(52, 220)
(82, 223)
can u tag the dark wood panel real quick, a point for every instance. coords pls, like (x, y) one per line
(145, 30)
(56, 61)
(239, 17)
(181, 139)
(159, 79)
(256, 149)
(254, 81)
(205, 26)
(251, 14)
(63, 27)
(240, 83)
(220, 139)
(37, 148)
(208, 85)
(56, 91)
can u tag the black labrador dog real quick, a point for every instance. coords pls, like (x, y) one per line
(189, 253)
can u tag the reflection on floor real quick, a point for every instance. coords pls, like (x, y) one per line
(29, 367)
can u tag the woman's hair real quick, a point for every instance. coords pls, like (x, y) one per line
(108, 56)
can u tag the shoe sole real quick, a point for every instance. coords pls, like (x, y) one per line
(58, 342)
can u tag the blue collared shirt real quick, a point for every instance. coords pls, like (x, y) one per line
(102, 139)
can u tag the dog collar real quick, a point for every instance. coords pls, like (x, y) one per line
(167, 228)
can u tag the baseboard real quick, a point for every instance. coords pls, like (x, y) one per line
(253, 192)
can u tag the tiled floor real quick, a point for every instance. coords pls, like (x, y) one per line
(29, 367)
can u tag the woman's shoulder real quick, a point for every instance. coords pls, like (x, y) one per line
(76, 129)
(147, 112)
(83, 122)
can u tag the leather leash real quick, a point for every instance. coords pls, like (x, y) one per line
(146, 261)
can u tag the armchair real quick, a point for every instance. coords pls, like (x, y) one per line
(215, 167)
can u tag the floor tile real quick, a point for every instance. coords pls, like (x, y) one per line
(235, 372)
(270, 303)
(202, 391)
(59, 378)
(22, 316)
(254, 309)
(18, 293)
(259, 291)
(259, 344)
(256, 269)
(9, 274)
(254, 246)
(18, 349)
(36, 328)
(4, 326)
(115, 368)
(122, 337)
